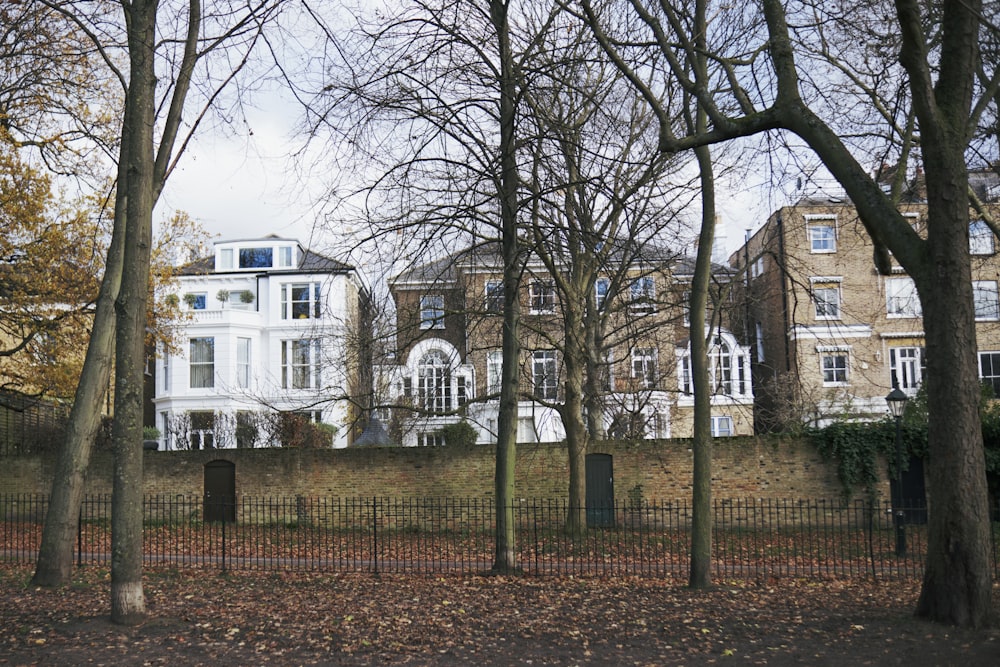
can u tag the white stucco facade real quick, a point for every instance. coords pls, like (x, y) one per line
(265, 334)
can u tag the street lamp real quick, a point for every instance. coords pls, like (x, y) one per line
(897, 403)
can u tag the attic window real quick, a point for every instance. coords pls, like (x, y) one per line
(256, 258)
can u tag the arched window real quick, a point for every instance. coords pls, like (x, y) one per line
(721, 367)
(434, 382)
(728, 367)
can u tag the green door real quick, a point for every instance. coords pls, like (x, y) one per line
(600, 491)
(220, 491)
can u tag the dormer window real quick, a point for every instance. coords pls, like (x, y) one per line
(232, 257)
(256, 258)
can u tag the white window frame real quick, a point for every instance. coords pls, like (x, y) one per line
(994, 367)
(432, 311)
(644, 366)
(291, 301)
(722, 426)
(601, 288)
(901, 298)
(544, 375)
(986, 300)
(642, 296)
(826, 301)
(493, 296)
(981, 241)
(197, 300)
(165, 369)
(243, 358)
(721, 358)
(202, 362)
(541, 297)
(267, 250)
(434, 377)
(654, 422)
(300, 363)
(822, 235)
(685, 378)
(430, 439)
(906, 367)
(841, 372)
(494, 371)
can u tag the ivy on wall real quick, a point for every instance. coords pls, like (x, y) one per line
(858, 447)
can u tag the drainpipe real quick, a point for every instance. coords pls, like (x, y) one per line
(784, 291)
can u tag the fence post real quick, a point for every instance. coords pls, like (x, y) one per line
(224, 522)
(375, 533)
(79, 536)
(869, 504)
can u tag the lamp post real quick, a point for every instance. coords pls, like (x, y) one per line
(897, 403)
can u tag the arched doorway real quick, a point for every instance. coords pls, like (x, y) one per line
(220, 491)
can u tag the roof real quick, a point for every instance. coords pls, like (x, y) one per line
(487, 257)
(309, 262)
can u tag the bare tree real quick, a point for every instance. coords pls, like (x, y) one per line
(142, 172)
(939, 53)
(428, 98)
(603, 209)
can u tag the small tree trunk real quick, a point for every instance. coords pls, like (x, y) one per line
(127, 600)
(505, 557)
(701, 491)
(577, 436)
(55, 555)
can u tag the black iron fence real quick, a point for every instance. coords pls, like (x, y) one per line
(752, 538)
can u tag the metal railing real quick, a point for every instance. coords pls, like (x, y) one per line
(752, 538)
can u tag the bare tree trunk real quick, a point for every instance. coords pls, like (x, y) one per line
(505, 557)
(701, 491)
(577, 433)
(957, 582)
(127, 600)
(55, 555)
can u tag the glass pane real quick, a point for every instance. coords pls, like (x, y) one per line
(255, 258)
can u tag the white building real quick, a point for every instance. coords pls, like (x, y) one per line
(265, 350)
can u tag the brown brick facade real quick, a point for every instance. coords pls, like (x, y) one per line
(743, 468)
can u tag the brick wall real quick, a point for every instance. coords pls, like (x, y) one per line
(743, 468)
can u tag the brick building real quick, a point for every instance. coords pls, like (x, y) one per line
(447, 358)
(830, 337)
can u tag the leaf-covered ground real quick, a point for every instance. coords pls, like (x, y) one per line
(203, 618)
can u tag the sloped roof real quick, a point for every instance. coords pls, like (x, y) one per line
(487, 257)
(309, 262)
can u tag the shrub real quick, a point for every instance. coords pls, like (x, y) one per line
(459, 434)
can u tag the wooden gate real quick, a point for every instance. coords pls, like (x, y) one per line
(600, 490)
(220, 491)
